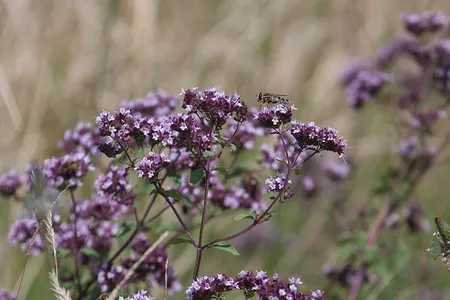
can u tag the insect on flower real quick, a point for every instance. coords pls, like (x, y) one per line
(268, 98)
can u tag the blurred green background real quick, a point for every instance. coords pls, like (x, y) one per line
(64, 61)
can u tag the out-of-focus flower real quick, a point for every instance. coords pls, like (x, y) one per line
(336, 171)
(101, 208)
(68, 170)
(114, 185)
(84, 138)
(5, 295)
(141, 295)
(110, 277)
(418, 24)
(365, 86)
(10, 182)
(154, 104)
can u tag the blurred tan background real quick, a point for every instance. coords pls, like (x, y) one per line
(64, 61)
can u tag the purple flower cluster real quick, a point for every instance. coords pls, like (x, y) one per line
(418, 24)
(365, 86)
(244, 137)
(5, 295)
(277, 183)
(10, 182)
(154, 104)
(250, 283)
(275, 116)
(67, 171)
(214, 106)
(101, 208)
(152, 270)
(114, 185)
(272, 156)
(308, 135)
(23, 232)
(141, 295)
(117, 131)
(84, 138)
(336, 171)
(149, 166)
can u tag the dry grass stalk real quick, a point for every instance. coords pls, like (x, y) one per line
(132, 270)
(60, 292)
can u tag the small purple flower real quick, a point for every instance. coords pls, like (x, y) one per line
(23, 232)
(155, 131)
(100, 208)
(154, 104)
(214, 106)
(84, 138)
(441, 71)
(403, 44)
(309, 186)
(118, 131)
(418, 24)
(67, 170)
(10, 182)
(141, 295)
(273, 155)
(365, 86)
(244, 138)
(428, 118)
(114, 184)
(275, 116)
(336, 171)
(277, 184)
(308, 135)
(153, 267)
(110, 277)
(352, 70)
(5, 295)
(210, 287)
(149, 166)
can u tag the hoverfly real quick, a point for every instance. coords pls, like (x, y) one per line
(250, 184)
(268, 98)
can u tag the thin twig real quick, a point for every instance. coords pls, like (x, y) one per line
(75, 233)
(132, 270)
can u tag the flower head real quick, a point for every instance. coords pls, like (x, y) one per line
(149, 166)
(214, 106)
(84, 138)
(67, 170)
(154, 104)
(275, 116)
(114, 184)
(10, 182)
(308, 135)
(418, 24)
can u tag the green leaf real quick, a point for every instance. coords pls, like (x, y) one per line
(224, 246)
(298, 171)
(233, 147)
(237, 172)
(281, 161)
(90, 252)
(347, 251)
(124, 228)
(207, 154)
(182, 240)
(147, 187)
(245, 215)
(63, 252)
(167, 227)
(174, 194)
(176, 178)
(196, 176)
(220, 169)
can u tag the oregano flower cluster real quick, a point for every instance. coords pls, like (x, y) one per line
(183, 159)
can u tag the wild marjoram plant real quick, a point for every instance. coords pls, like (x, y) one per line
(177, 158)
(412, 68)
